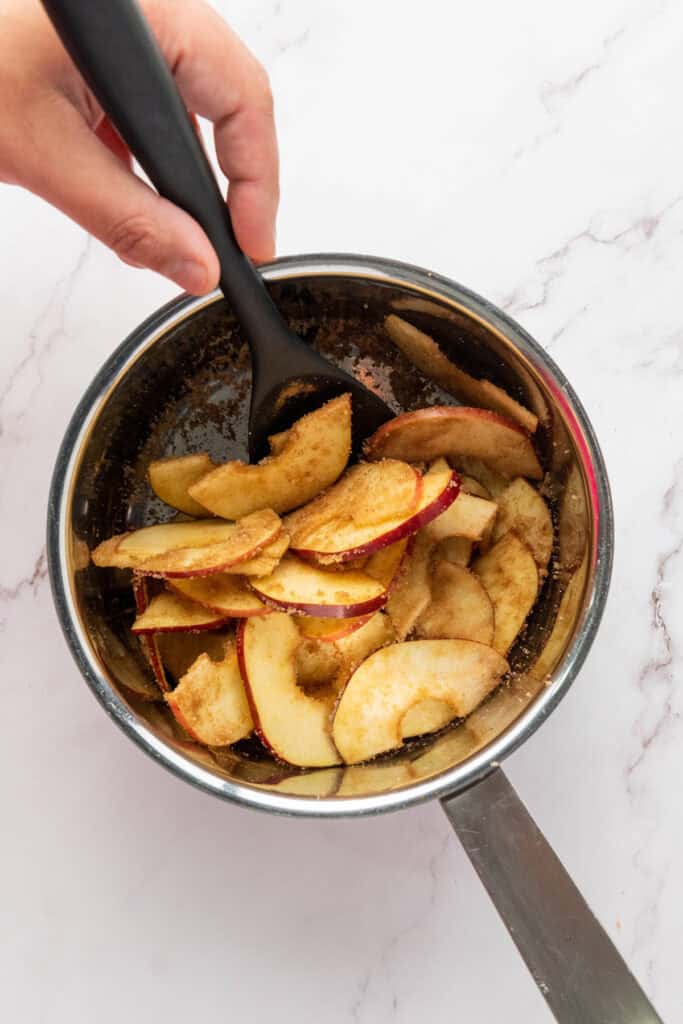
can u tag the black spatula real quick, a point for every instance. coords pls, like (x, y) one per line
(113, 47)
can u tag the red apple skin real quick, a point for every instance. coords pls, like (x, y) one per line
(373, 446)
(409, 526)
(147, 641)
(436, 412)
(334, 611)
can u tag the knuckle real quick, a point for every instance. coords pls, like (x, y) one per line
(134, 239)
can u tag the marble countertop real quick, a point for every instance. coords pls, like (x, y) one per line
(532, 152)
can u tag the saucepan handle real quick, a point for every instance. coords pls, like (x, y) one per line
(573, 962)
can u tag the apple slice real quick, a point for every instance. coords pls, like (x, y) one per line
(317, 663)
(189, 549)
(468, 517)
(387, 564)
(341, 542)
(329, 630)
(509, 574)
(455, 431)
(170, 479)
(148, 644)
(312, 457)
(179, 651)
(210, 702)
(367, 495)
(278, 441)
(471, 486)
(359, 645)
(460, 607)
(368, 718)
(172, 613)
(412, 593)
(227, 595)
(265, 562)
(456, 550)
(292, 724)
(300, 587)
(482, 475)
(522, 509)
(425, 717)
(426, 355)
(471, 516)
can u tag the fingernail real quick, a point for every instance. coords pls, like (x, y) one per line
(189, 274)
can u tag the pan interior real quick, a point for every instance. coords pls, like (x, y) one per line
(189, 392)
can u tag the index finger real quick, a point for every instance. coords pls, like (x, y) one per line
(220, 79)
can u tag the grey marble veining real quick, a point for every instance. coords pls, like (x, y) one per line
(530, 151)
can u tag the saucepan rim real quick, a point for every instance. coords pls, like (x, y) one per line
(455, 779)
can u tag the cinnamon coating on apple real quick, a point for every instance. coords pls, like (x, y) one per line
(334, 611)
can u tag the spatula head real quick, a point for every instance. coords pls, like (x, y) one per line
(283, 389)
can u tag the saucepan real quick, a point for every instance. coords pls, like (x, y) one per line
(180, 383)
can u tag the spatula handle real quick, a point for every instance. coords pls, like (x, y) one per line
(113, 47)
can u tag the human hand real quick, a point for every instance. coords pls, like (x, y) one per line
(55, 141)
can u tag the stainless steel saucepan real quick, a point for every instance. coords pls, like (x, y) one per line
(180, 383)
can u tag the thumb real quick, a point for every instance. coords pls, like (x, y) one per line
(72, 169)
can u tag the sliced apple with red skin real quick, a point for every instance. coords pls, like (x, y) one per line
(460, 607)
(413, 592)
(128, 550)
(454, 431)
(522, 509)
(368, 719)
(426, 355)
(170, 479)
(509, 574)
(173, 613)
(328, 546)
(292, 724)
(329, 630)
(265, 562)
(190, 549)
(300, 587)
(312, 457)
(222, 593)
(369, 500)
(210, 702)
(456, 550)
(148, 644)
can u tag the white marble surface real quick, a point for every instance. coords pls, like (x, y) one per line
(533, 152)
